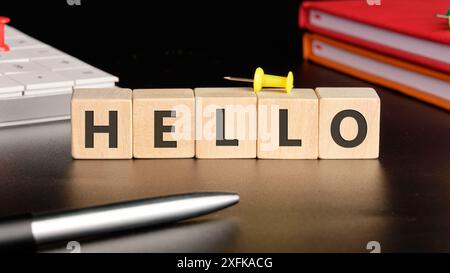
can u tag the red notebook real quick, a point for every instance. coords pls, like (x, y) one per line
(407, 29)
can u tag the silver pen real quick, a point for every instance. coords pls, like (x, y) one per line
(26, 232)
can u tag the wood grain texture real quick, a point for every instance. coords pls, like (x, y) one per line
(239, 106)
(301, 108)
(102, 102)
(178, 144)
(347, 103)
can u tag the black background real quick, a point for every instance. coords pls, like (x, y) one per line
(168, 44)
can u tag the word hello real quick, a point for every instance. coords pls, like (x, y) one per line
(328, 123)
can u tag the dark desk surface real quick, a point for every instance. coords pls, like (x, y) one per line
(400, 200)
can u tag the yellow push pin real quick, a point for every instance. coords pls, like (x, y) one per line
(445, 16)
(261, 80)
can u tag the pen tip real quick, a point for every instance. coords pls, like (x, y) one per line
(228, 198)
(234, 198)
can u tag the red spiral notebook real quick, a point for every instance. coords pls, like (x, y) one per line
(406, 29)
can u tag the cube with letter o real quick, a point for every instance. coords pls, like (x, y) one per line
(349, 123)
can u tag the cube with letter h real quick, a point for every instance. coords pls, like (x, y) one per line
(102, 123)
(349, 123)
(226, 121)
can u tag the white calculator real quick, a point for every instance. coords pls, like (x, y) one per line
(36, 80)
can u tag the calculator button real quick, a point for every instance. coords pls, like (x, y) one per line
(62, 63)
(20, 67)
(41, 80)
(89, 75)
(7, 85)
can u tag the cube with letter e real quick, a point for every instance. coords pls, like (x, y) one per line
(163, 123)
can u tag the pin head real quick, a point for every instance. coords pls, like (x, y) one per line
(261, 80)
(3, 46)
(4, 20)
(258, 79)
(289, 82)
(445, 16)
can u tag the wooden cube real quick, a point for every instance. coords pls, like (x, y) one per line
(102, 123)
(163, 123)
(349, 123)
(226, 120)
(288, 124)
